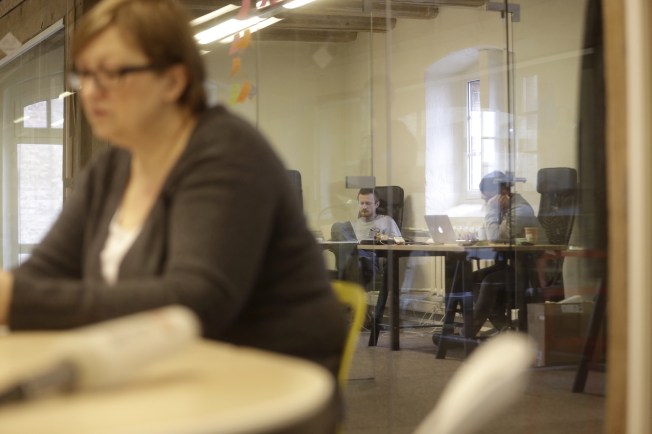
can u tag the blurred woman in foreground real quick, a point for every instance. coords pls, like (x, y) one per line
(189, 205)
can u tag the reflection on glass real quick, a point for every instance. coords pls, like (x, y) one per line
(36, 115)
(56, 113)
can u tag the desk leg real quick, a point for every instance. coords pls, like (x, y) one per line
(523, 279)
(375, 331)
(395, 294)
(466, 298)
(390, 287)
(451, 270)
(379, 309)
(597, 320)
(459, 281)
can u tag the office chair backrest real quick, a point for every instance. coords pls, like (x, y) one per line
(490, 380)
(558, 204)
(391, 202)
(295, 180)
(353, 297)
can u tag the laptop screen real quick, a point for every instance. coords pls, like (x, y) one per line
(441, 229)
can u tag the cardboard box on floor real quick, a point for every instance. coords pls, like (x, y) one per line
(559, 330)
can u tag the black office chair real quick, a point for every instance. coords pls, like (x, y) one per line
(392, 199)
(558, 205)
(557, 210)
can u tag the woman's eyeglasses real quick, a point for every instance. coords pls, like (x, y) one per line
(106, 78)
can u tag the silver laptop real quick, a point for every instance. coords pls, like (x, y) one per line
(441, 229)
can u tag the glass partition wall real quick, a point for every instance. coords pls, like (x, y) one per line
(426, 96)
(429, 97)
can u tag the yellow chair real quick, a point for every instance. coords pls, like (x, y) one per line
(354, 297)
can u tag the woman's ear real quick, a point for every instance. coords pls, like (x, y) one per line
(177, 82)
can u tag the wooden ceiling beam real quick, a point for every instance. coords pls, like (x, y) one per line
(277, 34)
(201, 7)
(380, 5)
(335, 20)
(333, 23)
(398, 10)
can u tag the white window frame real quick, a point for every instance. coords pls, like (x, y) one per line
(46, 88)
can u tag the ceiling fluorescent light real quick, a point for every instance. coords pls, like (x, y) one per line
(252, 29)
(269, 3)
(296, 4)
(212, 15)
(225, 29)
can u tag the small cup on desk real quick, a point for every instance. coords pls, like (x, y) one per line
(532, 234)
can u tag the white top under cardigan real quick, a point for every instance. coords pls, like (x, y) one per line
(117, 244)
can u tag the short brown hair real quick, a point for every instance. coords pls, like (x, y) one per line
(367, 191)
(160, 28)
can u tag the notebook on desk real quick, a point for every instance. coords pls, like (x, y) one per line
(441, 229)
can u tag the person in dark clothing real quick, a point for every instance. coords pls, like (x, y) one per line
(507, 215)
(189, 205)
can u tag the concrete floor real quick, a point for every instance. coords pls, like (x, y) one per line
(390, 392)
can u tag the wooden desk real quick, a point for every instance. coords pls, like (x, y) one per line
(207, 388)
(457, 266)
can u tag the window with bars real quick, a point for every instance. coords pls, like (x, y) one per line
(481, 138)
(32, 146)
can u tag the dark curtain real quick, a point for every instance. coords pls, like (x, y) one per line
(591, 224)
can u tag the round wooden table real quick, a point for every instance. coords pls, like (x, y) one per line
(207, 388)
